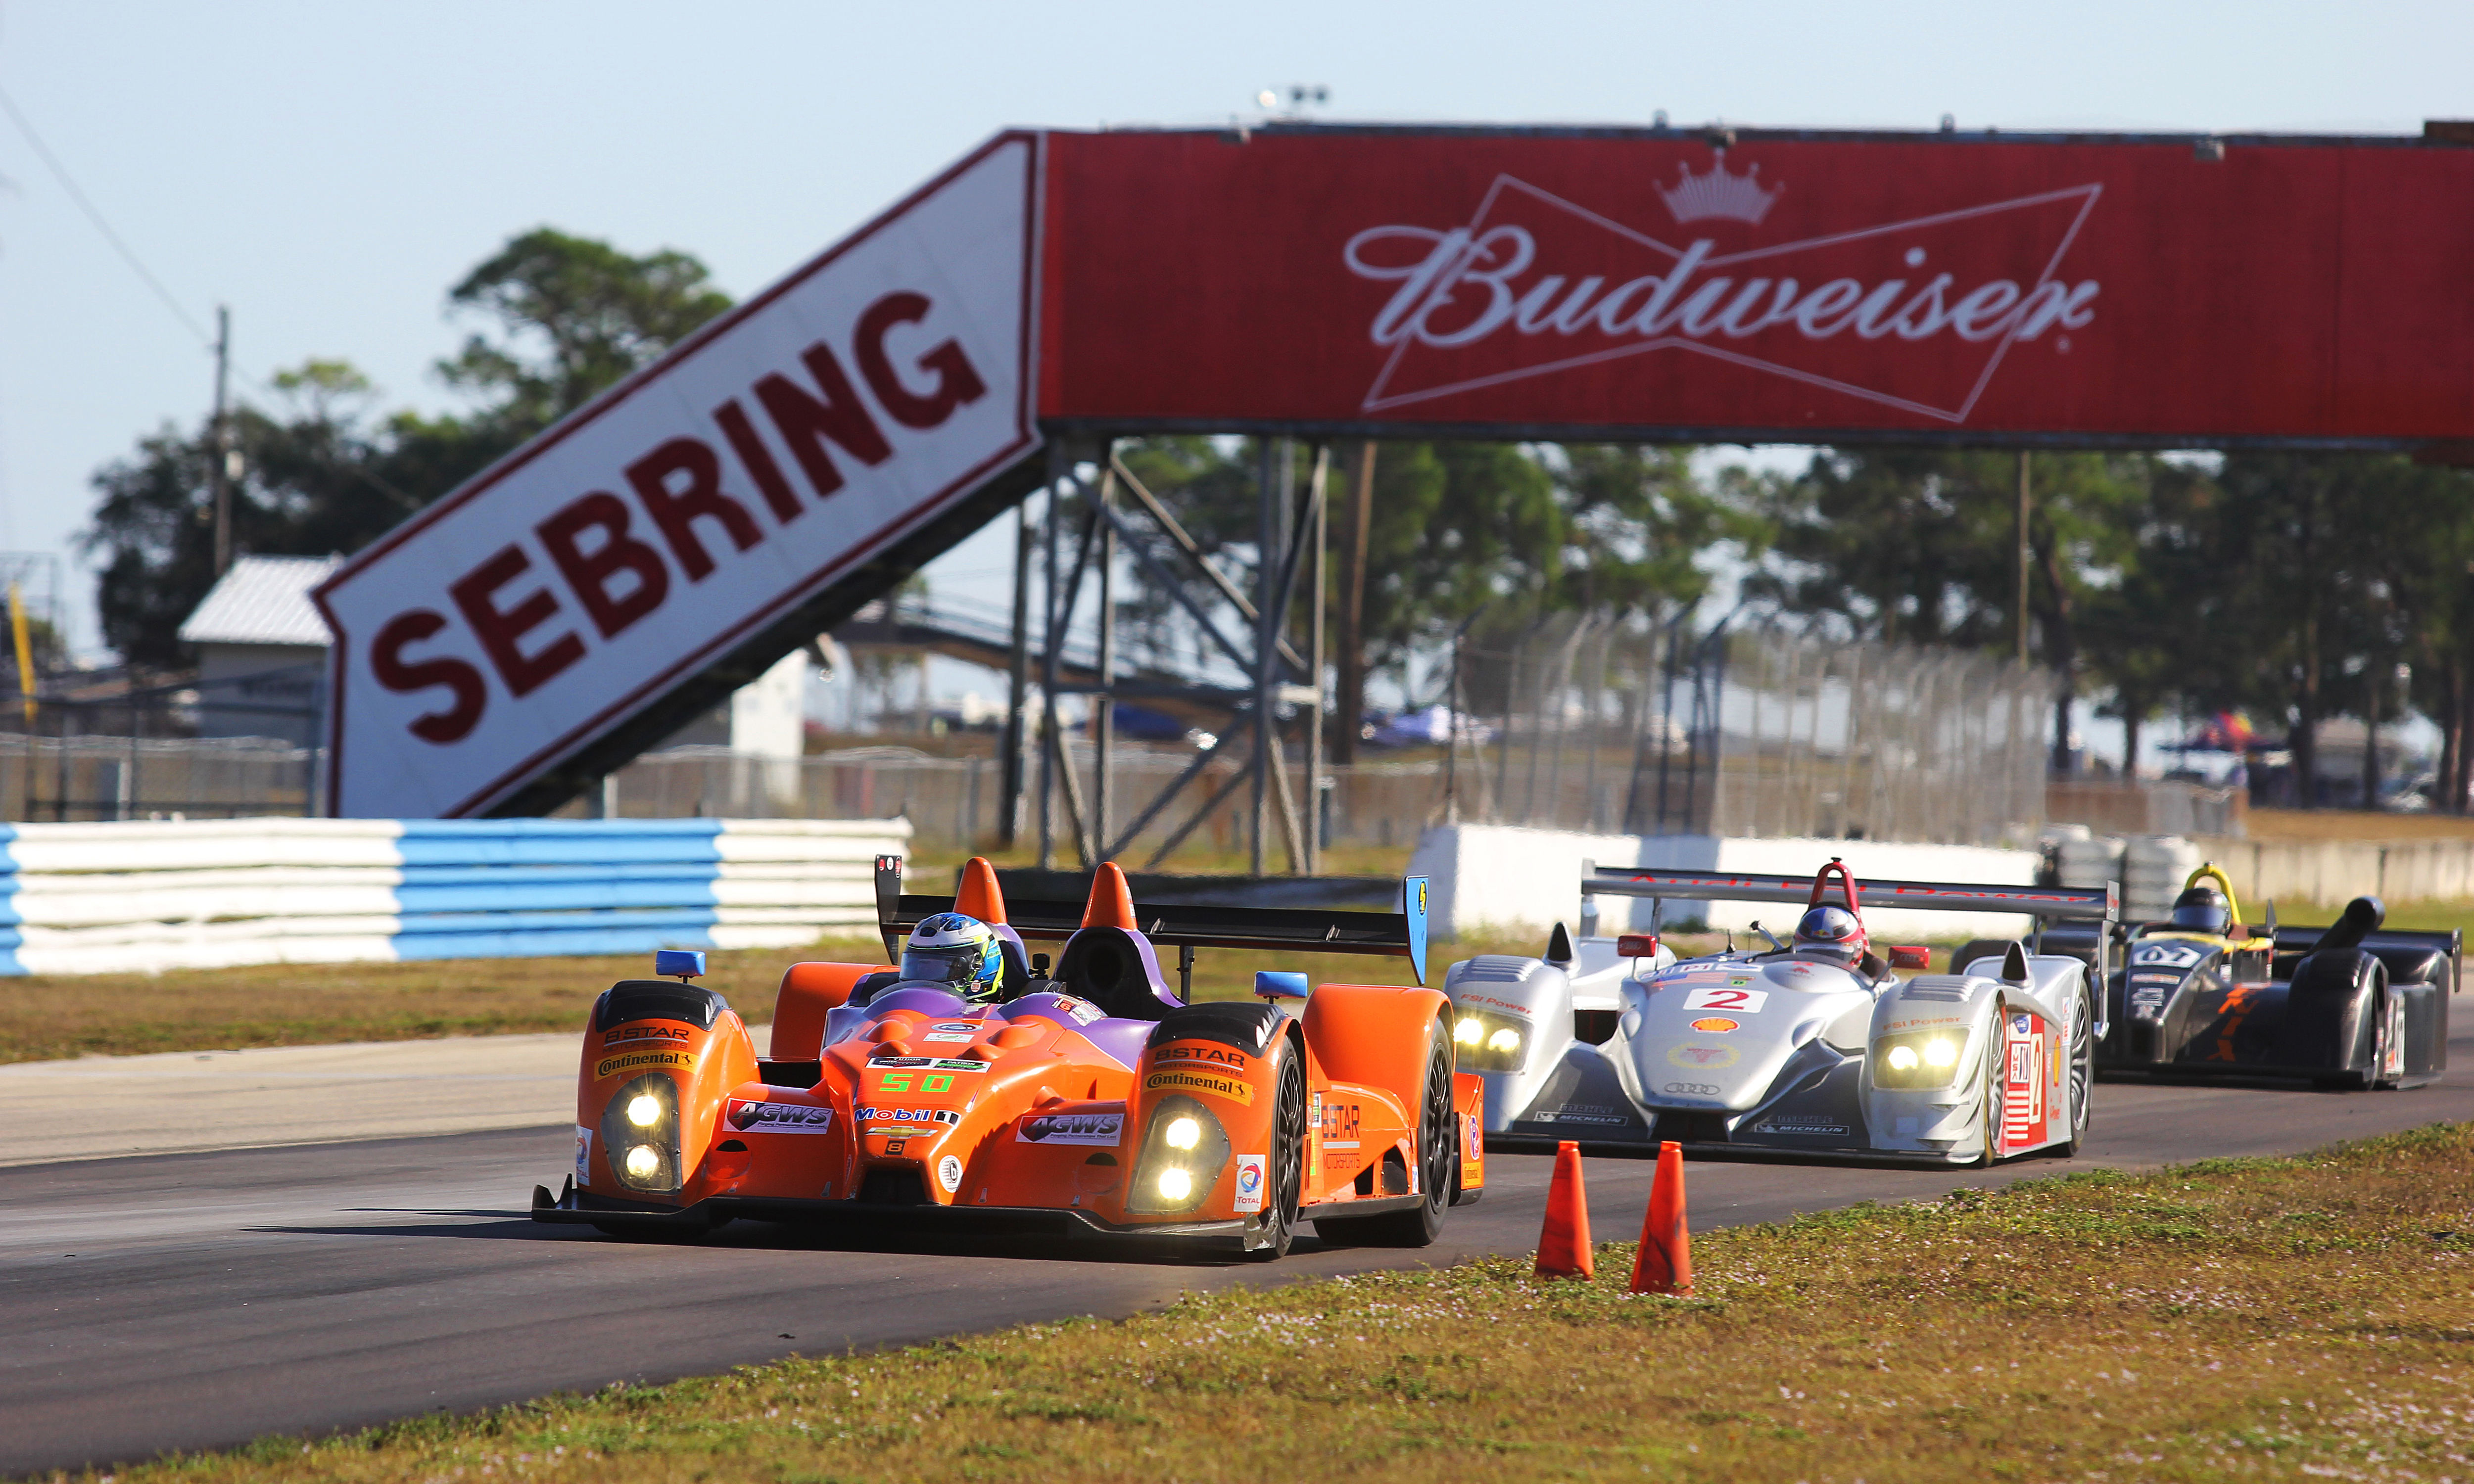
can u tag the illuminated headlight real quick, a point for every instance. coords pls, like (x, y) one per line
(1917, 1060)
(639, 1128)
(1484, 1040)
(1182, 1156)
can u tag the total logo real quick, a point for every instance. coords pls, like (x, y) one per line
(1250, 1182)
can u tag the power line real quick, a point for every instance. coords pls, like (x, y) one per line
(18, 116)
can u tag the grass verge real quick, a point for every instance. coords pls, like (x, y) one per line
(2270, 1318)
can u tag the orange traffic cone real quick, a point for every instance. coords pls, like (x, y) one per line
(1664, 1262)
(1563, 1245)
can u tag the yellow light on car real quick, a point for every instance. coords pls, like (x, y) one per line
(1184, 1133)
(1505, 1040)
(1468, 1032)
(1903, 1059)
(1175, 1184)
(1941, 1051)
(642, 1161)
(644, 1110)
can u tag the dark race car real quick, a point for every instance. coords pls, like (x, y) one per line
(2345, 1006)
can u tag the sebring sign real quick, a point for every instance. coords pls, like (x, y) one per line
(691, 509)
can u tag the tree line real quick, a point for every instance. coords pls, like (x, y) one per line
(2294, 586)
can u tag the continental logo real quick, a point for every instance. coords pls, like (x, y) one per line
(644, 1060)
(1222, 1057)
(1200, 1079)
(641, 1035)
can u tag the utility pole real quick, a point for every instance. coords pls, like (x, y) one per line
(1017, 683)
(2023, 557)
(219, 461)
(1351, 697)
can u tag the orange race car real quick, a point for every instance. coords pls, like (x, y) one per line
(1089, 1100)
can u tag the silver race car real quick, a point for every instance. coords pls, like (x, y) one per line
(1813, 1047)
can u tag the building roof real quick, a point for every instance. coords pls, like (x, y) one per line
(263, 600)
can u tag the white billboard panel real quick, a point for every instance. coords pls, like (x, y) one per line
(624, 551)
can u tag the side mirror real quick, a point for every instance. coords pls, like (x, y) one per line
(1281, 983)
(1637, 945)
(2237, 934)
(1910, 956)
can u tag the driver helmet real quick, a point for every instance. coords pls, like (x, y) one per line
(955, 951)
(2203, 909)
(1832, 933)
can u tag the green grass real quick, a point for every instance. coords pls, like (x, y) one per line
(2255, 1318)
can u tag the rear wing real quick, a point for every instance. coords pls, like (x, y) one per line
(2097, 904)
(1187, 927)
(2291, 938)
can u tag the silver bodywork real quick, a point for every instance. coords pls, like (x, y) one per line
(1775, 1051)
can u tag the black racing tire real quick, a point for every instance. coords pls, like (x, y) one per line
(1437, 1165)
(1285, 1180)
(1976, 948)
(1992, 1088)
(2375, 1076)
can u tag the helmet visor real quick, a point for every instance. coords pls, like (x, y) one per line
(2208, 917)
(958, 965)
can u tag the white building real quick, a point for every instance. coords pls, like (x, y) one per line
(262, 667)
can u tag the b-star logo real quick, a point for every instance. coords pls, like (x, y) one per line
(1915, 314)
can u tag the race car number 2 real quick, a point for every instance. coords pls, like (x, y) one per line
(1733, 1000)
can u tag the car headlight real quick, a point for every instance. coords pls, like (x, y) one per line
(1487, 1042)
(639, 1128)
(1181, 1157)
(1917, 1059)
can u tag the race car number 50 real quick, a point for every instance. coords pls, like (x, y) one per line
(1716, 998)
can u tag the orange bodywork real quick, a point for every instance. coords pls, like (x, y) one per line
(1036, 1105)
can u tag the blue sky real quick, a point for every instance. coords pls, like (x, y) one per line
(327, 170)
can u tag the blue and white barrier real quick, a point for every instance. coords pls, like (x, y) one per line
(199, 894)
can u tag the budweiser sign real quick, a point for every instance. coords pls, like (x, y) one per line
(1535, 283)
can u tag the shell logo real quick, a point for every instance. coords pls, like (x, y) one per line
(1715, 1025)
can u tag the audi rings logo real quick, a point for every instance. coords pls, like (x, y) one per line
(1693, 1088)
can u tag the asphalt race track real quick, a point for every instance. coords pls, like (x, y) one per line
(195, 1301)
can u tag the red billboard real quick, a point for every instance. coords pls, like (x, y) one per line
(1763, 287)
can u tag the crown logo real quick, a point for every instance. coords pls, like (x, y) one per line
(1738, 197)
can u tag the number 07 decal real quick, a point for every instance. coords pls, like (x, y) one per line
(1741, 1001)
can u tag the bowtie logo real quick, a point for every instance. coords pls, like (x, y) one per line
(1916, 314)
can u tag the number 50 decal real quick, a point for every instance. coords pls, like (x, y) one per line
(1744, 1001)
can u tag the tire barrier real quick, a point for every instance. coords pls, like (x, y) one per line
(148, 896)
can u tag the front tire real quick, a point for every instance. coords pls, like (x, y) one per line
(1993, 1043)
(1287, 1175)
(1437, 1165)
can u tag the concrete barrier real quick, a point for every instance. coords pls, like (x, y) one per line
(1498, 876)
(2335, 871)
(151, 895)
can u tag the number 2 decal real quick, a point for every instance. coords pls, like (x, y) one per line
(1738, 1001)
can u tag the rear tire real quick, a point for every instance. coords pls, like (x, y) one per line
(1286, 1177)
(1977, 948)
(1437, 1165)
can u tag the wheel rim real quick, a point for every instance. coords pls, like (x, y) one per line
(2082, 1064)
(1437, 1153)
(1993, 1053)
(1287, 1138)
